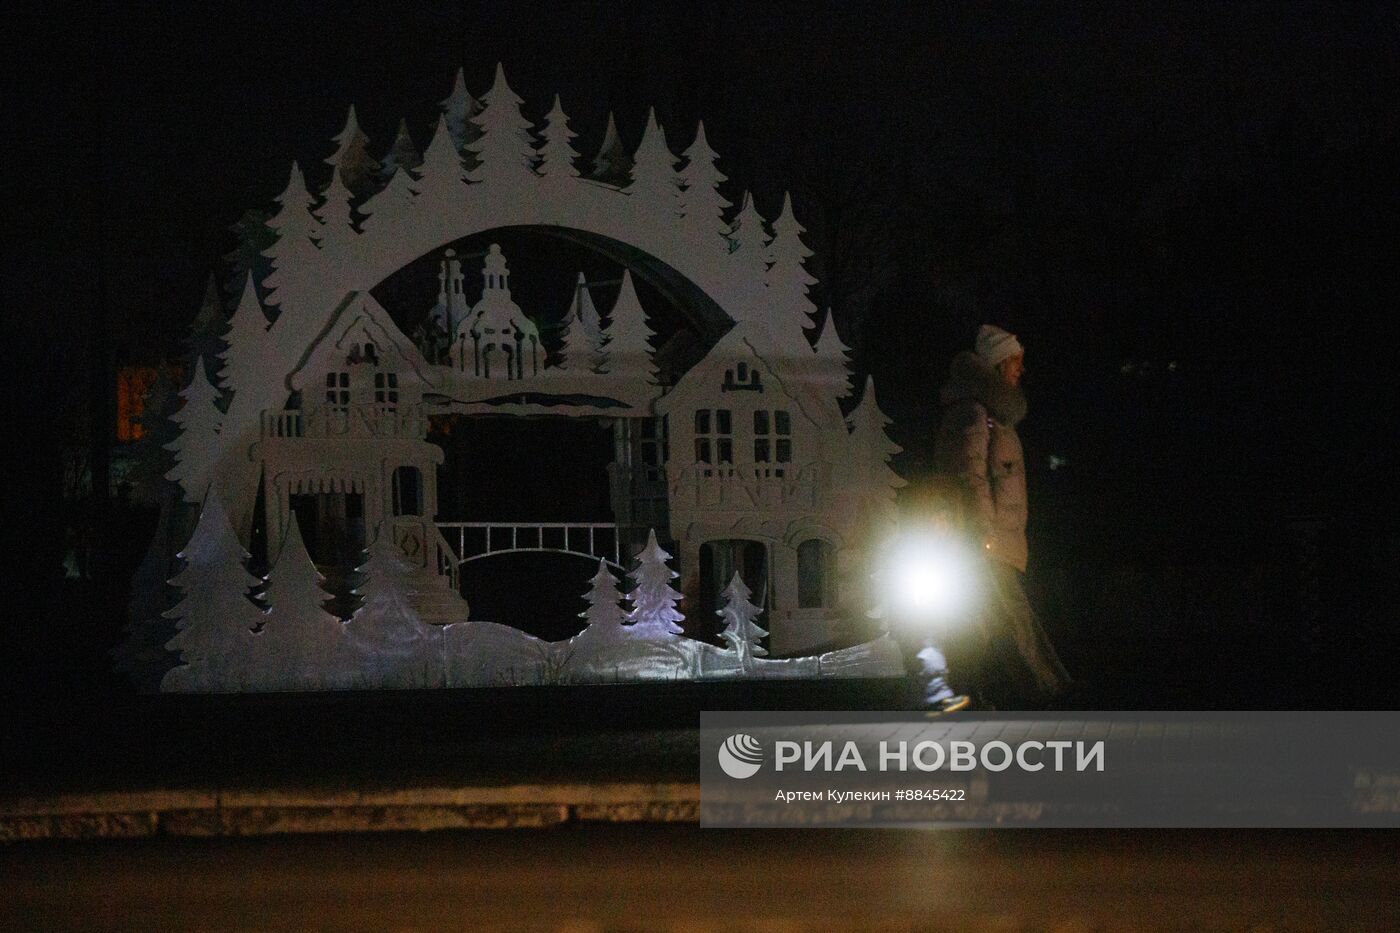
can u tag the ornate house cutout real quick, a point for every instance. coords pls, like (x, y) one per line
(745, 462)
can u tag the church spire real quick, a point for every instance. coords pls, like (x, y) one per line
(451, 308)
(495, 272)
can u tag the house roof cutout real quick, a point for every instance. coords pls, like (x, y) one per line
(719, 372)
(359, 320)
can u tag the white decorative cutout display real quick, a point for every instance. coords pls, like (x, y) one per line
(320, 394)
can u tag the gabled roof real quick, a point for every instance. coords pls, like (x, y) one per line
(356, 319)
(747, 340)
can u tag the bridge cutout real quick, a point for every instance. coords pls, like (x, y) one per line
(474, 541)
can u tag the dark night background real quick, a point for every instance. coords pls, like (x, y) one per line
(1188, 211)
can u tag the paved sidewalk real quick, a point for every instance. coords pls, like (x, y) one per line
(520, 781)
(104, 764)
(261, 811)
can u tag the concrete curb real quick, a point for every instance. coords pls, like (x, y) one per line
(254, 812)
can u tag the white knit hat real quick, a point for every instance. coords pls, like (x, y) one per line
(995, 345)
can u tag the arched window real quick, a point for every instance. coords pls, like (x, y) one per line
(720, 560)
(814, 575)
(408, 491)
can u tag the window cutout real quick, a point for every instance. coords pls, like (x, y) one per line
(338, 389)
(408, 491)
(742, 378)
(386, 388)
(814, 575)
(772, 440)
(720, 441)
(651, 443)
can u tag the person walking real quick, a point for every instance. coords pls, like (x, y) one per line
(978, 446)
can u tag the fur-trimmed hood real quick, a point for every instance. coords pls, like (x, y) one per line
(970, 379)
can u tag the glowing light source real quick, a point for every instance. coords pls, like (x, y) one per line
(926, 579)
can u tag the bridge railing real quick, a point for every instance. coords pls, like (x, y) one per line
(588, 539)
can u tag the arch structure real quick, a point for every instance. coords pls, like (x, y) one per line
(752, 441)
(473, 541)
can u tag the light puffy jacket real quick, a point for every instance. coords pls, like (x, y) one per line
(977, 442)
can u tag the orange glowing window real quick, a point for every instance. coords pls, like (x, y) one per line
(133, 382)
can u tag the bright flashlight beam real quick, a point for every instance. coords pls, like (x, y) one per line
(927, 579)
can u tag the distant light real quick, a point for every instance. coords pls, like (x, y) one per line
(1057, 462)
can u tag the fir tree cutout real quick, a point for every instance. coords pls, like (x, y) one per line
(741, 631)
(557, 154)
(245, 360)
(393, 648)
(613, 163)
(833, 359)
(582, 347)
(300, 645)
(871, 451)
(701, 204)
(750, 242)
(196, 448)
(653, 599)
(214, 617)
(505, 150)
(293, 255)
(789, 310)
(351, 162)
(441, 177)
(629, 349)
(458, 109)
(654, 184)
(403, 154)
(604, 615)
